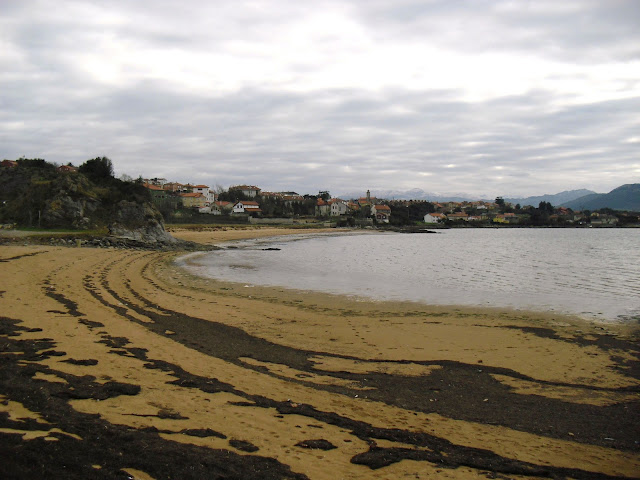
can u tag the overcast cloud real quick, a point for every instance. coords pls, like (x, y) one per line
(487, 98)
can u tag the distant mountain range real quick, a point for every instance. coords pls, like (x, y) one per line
(555, 200)
(414, 194)
(625, 197)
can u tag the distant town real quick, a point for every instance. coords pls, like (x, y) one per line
(176, 199)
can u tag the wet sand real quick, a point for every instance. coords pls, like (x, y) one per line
(117, 363)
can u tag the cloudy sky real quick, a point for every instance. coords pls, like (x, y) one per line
(480, 97)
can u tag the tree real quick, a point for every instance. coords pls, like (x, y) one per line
(364, 212)
(324, 195)
(233, 195)
(545, 208)
(98, 170)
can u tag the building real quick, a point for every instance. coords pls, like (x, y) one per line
(175, 187)
(381, 213)
(291, 199)
(457, 217)
(205, 191)
(193, 200)
(67, 169)
(9, 164)
(249, 191)
(508, 218)
(247, 206)
(434, 218)
(156, 181)
(161, 197)
(368, 200)
(323, 209)
(223, 207)
(338, 207)
(599, 219)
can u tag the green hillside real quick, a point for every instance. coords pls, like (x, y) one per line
(35, 193)
(626, 197)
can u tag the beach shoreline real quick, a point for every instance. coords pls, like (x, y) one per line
(264, 382)
(334, 266)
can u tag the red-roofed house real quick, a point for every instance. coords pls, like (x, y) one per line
(381, 213)
(247, 206)
(174, 187)
(224, 207)
(322, 208)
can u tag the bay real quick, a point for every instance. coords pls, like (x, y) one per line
(593, 273)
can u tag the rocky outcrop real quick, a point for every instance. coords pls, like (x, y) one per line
(140, 222)
(64, 210)
(71, 205)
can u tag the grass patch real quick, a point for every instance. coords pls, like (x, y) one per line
(40, 232)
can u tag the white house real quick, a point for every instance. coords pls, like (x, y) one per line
(208, 194)
(213, 209)
(338, 207)
(246, 206)
(434, 218)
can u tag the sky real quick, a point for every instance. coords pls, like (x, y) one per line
(478, 97)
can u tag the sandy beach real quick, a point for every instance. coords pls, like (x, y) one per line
(116, 363)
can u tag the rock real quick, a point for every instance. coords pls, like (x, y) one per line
(316, 444)
(70, 205)
(139, 222)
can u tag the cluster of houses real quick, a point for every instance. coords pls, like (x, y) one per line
(203, 199)
(336, 207)
(479, 211)
(200, 197)
(490, 212)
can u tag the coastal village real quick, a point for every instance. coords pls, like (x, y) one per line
(250, 201)
(199, 203)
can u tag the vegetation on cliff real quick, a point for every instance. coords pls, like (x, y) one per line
(36, 193)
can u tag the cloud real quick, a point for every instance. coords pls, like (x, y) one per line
(481, 97)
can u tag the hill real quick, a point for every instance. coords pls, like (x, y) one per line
(35, 193)
(557, 199)
(625, 197)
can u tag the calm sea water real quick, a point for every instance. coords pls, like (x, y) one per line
(594, 273)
